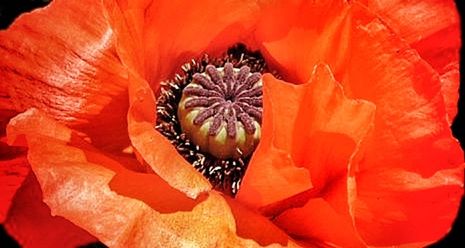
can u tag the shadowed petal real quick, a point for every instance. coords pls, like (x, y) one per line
(92, 191)
(177, 31)
(29, 220)
(13, 170)
(154, 148)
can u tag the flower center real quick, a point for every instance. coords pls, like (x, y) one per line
(211, 113)
(221, 110)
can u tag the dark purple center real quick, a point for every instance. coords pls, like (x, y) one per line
(231, 96)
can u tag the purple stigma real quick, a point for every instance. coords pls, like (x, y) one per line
(226, 95)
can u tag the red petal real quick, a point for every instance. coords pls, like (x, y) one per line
(297, 35)
(411, 130)
(30, 222)
(52, 55)
(173, 32)
(394, 206)
(154, 148)
(431, 27)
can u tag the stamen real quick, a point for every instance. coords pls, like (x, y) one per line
(219, 124)
(191, 91)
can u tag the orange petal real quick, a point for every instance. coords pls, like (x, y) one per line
(64, 63)
(329, 128)
(30, 222)
(271, 174)
(153, 191)
(394, 206)
(313, 126)
(127, 20)
(154, 148)
(76, 182)
(411, 130)
(431, 27)
(318, 220)
(297, 35)
(325, 218)
(173, 32)
(328, 134)
(252, 225)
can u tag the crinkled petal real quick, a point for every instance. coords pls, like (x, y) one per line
(328, 134)
(429, 26)
(432, 28)
(411, 129)
(312, 126)
(272, 174)
(394, 206)
(154, 148)
(297, 35)
(62, 60)
(173, 32)
(89, 189)
(30, 222)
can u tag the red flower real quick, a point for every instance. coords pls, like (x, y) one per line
(355, 152)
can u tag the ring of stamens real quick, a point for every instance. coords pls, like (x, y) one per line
(221, 110)
(224, 174)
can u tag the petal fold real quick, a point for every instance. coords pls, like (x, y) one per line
(154, 148)
(316, 130)
(272, 174)
(411, 129)
(297, 35)
(431, 27)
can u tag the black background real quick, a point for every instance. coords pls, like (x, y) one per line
(456, 238)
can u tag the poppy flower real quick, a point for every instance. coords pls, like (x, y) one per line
(355, 146)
